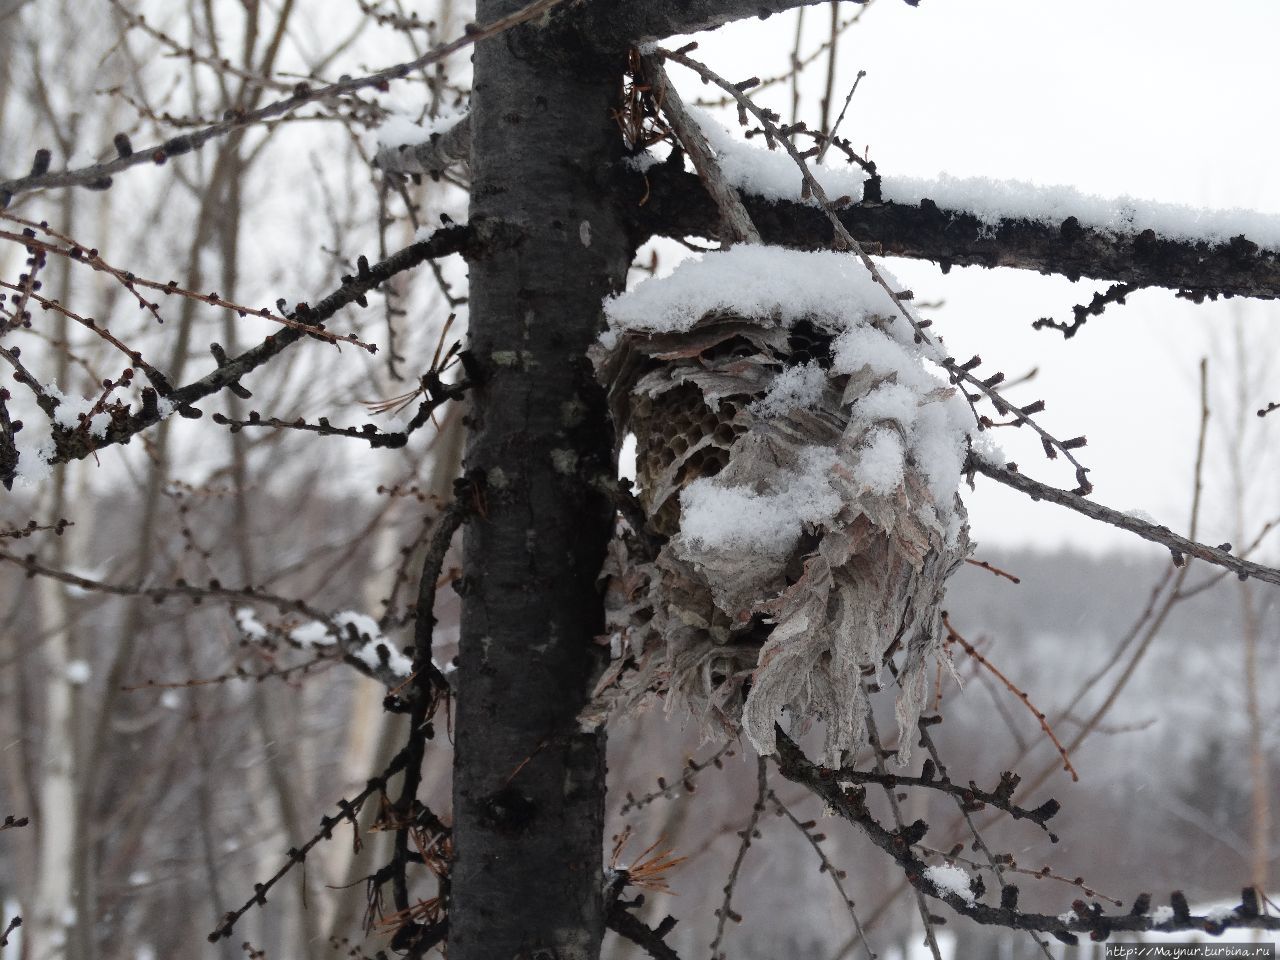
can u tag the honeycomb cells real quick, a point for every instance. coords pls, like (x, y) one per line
(679, 435)
(807, 343)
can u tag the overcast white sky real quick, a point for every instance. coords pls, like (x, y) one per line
(1159, 99)
(1172, 101)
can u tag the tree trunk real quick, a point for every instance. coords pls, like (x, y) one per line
(528, 786)
(54, 913)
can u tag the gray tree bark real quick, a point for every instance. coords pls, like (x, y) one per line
(528, 786)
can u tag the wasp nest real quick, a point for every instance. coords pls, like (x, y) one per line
(798, 467)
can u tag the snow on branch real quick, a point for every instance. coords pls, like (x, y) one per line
(1105, 240)
(771, 175)
(355, 637)
(788, 284)
(429, 148)
(929, 345)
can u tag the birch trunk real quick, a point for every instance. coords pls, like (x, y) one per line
(49, 923)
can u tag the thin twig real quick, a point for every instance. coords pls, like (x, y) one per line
(99, 175)
(954, 636)
(993, 569)
(91, 258)
(971, 796)
(798, 63)
(725, 913)
(11, 926)
(1181, 547)
(1006, 890)
(218, 64)
(297, 855)
(959, 372)
(1116, 293)
(830, 89)
(829, 868)
(830, 136)
(445, 241)
(684, 781)
(734, 219)
(877, 751)
(1164, 597)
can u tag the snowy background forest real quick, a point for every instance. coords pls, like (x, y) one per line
(175, 750)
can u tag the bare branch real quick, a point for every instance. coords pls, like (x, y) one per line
(1081, 313)
(75, 445)
(725, 912)
(1179, 546)
(685, 781)
(837, 875)
(98, 176)
(971, 796)
(851, 805)
(349, 809)
(625, 925)
(878, 753)
(954, 636)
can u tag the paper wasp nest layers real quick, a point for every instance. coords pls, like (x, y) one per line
(803, 469)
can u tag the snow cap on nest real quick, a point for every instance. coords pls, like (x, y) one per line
(804, 465)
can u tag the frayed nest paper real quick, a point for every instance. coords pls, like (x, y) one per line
(809, 531)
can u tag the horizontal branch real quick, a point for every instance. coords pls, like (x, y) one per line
(676, 205)
(972, 797)
(1178, 545)
(432, 157)
(348, 641)
(433, 391)
(850, 804)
